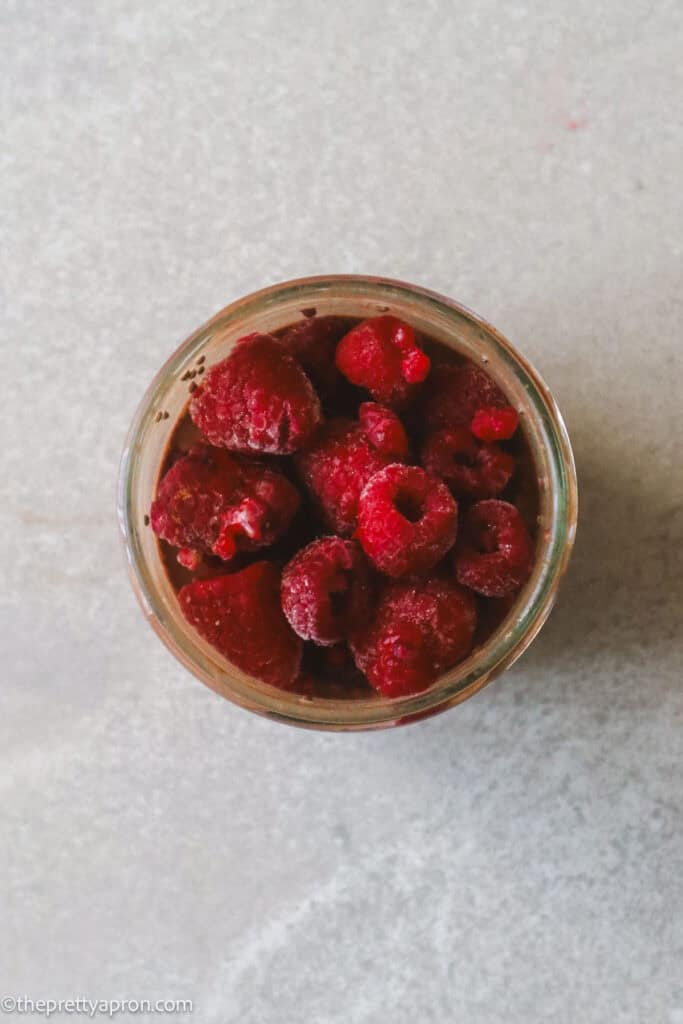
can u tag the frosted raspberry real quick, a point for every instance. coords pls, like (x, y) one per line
(313, 343)
(258, 399)
(384, 430)
(420, 630)
(471, 468)
(326, 590)
(268, 505)
(495, 555)
(491, 424)
(191, 496)
(455, 394)
(407, 520)
(240, 615)
(381, 356)
(212, 501)
(343, 458)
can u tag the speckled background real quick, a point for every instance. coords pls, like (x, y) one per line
(519, 859)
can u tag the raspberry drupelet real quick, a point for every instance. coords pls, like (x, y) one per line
(420, 629)
(381, 355)
(407, 520)
(326, 590)
(471, 468)
(214, 502)
(257, 400)
(240, 615)
(495, 553)
(344, 456)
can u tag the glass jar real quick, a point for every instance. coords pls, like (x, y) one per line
(442, 319)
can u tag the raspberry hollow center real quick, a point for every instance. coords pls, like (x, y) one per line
(410, 506)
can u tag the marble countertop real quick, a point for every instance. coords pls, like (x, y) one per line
(518, 859)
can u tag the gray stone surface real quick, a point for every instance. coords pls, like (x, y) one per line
(519, 859)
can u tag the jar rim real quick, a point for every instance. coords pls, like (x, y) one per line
(487, 661)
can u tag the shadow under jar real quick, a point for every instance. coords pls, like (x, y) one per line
(543, 436)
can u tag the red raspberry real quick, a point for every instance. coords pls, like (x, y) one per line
(384, 429)
(407, 520)
(258, 399)
(456, 393)
(471, 468)
(495, 556)
(344, 457)
(420, 630)
(313, 343)
(214, 502)
(191, 496)
(240, 615)
(381, 355)
(326, 590)
(268, 505)
(491, 424)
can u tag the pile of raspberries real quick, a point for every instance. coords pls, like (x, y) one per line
(404, 533)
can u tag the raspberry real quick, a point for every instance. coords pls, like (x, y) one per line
(344, 457)
(326, 590)
(313, 343)
(191, 496)
(456, 393)
(258, 399)
(491, 424)
(407, 520)
(495, 555)
(212, 501)
(240, 615)
(384, 429)
(420, 630)
(471, 468)
(381, 356)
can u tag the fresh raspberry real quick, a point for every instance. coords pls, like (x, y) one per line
(495, 556)
(313, 343)
(212, 501)
(344, 457)
(384, 430)
(471, 468)
(455, 394)
(492, 424)
(326, 590)
(258, 399)
(240, 615)
(381, 355)
(420, 630)
(191, 496)
(407, 520)
(265, 512)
